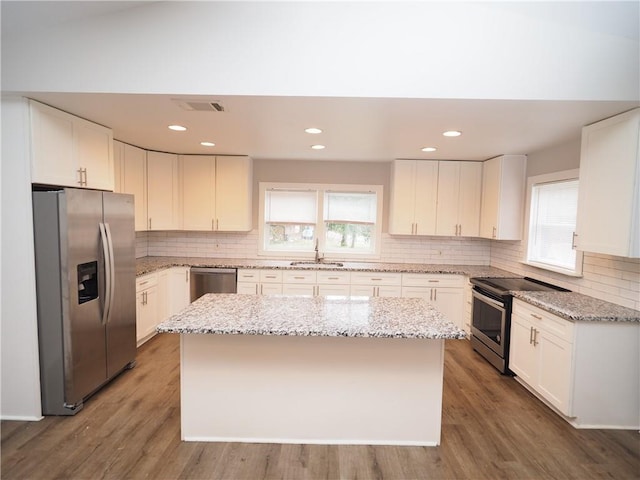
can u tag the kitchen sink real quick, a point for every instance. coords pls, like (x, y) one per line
(316, 264)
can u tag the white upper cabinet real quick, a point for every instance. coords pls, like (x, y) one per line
(163, 192)
(459, 194)
(234, 194)
(414, 190)
(216, 193)
(69, 151)
(503, 191)
(131, 177)
(198, 191)
(609, 198)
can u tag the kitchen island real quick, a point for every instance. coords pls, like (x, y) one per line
(295, 369)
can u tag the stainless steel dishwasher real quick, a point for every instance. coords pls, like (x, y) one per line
(212, 280)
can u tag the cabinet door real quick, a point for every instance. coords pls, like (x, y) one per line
(250, 288)
(53, 160)
(362, 290)
(147, 316)
(162, 191)
(403, 197)
(450, 301)
(426, 192)
(554, 374)
(118, 166)
(179, 289)
(490, 198)
(298, 289)
(198, 191)
(270, 288)
(523, 357)
(343, 290)
(134, 182)
(469, 198)
(609, 195)
(94, 150)
(448, 198)
(233, 194)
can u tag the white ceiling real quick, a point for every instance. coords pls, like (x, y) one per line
(355, 128)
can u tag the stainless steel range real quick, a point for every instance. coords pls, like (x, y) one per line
(491, 315)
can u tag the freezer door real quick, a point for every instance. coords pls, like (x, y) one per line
(121, 319)
(82, 271)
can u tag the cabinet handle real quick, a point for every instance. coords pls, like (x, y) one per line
(435, 294)
(535, 337)
(530, 335)
(217, 224)
(86, 181)
(298, 278)
(573, 241)
(149, 223)
(143, 283)
(416, 229)
(434, 281)
(269, 276)
(260, 289)
(537, 317)
(333, 278)
(376, 279)
(460, 230)
(494, 232)
(82, 175)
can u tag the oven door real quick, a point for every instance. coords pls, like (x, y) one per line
(489, 322)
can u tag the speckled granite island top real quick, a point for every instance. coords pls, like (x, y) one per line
(146, 265)
(579, 308)
(237, 314)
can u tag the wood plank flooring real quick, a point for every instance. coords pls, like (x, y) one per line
(492, 429)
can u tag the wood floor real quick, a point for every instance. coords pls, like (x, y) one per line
(492, 428)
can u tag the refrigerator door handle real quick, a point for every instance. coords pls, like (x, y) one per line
(107, 273)
(112, 270)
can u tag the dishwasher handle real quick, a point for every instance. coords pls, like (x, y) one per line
(206, 270)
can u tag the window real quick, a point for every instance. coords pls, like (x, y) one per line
(343, 220)
(553, 207)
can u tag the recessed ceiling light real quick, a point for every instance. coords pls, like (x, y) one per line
(452, 133)
(317, 147)
(207, 144)
(313, 130)
(177, 128)
(429, 149)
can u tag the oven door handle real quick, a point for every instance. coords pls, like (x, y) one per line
(484, 298)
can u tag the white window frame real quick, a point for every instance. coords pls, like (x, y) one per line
(320, 226)
(564, 175)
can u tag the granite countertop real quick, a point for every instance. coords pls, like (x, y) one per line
(238, 314)
(146, 265)
(579, 308)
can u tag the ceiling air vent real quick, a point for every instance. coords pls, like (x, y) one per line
(200, 106)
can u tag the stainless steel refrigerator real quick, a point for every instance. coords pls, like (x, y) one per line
(85, 281)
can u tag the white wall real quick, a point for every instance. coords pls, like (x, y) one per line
(488, 50)
(614, 279)
(20, 395)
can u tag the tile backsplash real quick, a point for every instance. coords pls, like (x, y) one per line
(614, 279)
(396, 249)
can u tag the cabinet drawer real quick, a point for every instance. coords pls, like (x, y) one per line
(299, 276)
(248, 275)
(270, 276)
(544, 320)
(333, 277)
(368, 278)
(146, 281)
(432, 280)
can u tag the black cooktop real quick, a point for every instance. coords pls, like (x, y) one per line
(502, 286)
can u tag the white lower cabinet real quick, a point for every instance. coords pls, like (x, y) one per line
(589, 371)
(158, 296)
(444, 291)
(468, 306)
(540, 353)
(376, 284)
(146, 307)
